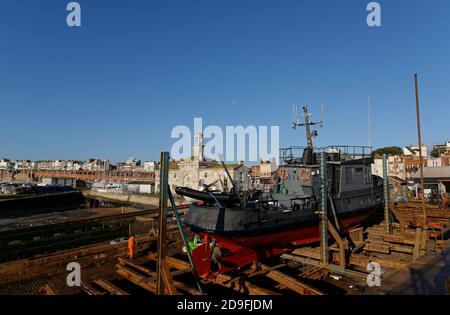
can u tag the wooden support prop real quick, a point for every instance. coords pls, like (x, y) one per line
(169, 285)
(292, 283)
(417, 244)
(340, 242)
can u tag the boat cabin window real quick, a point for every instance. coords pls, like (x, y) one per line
(349, 175)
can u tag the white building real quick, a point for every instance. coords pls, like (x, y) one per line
(5, 165)
(198, 171)
(266, 168)
(141, 187)
(395, 167)
(435, 162)
(411, 150)
(97, 165)
(151, 166)
(61, 182)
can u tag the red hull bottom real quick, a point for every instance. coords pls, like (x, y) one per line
(242, 251)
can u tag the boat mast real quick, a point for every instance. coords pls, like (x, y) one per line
(307, 124)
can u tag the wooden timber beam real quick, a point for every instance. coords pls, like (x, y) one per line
(46, 290)
(90, 290)
(292, 283)
(152, 274)
(221, 279)
(173, 262)
(241, 286)
(315, 273)
(354, 259)
(363, 261)
(109, 287)
(126, 262)
(340, 242)
(167, 279)
(333, 268)
(146, 283)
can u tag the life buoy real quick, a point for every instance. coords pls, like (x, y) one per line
(283, 173)
(304, 174)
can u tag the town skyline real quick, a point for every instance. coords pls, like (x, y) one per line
(109, 88)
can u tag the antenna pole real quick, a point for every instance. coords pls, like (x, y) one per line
(307, 124)
(308, 129)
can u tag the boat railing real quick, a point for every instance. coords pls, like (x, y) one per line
(294, 154)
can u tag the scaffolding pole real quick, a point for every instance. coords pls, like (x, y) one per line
(387, 220)
(323, 210)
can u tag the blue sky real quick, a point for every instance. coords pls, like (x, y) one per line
(135, 69)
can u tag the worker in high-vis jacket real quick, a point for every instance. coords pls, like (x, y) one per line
(131, 245)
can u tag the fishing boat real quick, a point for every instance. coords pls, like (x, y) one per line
(238, 228)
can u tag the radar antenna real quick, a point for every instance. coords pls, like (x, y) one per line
(307, 123)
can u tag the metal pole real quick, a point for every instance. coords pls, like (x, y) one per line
(323, 212)
(163, 196)
(387, 221)
(184, 238)
(419, 136)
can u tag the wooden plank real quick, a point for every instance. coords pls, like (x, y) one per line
(91, 290)
(386, 248)
(363, 261)
(241, 286)
(173, 262)
(331, 267)
(416, 252)
(111, 288)
(146, 283)
(46, 290)
(292, 283)
(315, 273)
(308, 252)
(125, 262)
(152, 274)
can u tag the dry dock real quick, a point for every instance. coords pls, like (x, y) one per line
(413, 261)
